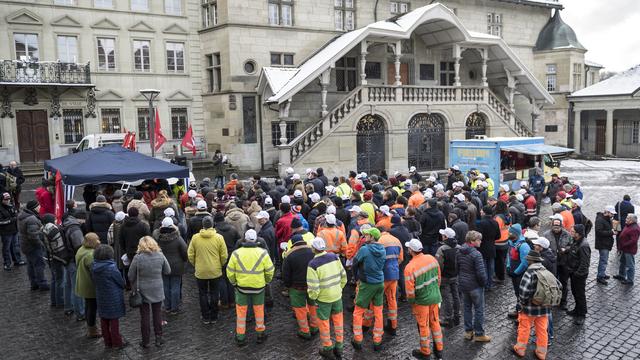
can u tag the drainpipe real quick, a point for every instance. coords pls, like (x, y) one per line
(375, 11)
(261, 136)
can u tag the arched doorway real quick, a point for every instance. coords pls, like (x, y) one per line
(476, 124)
(370, 144)
(426, 141)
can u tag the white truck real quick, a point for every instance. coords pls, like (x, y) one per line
(94, 141)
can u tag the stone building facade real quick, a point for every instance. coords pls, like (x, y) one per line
(74, 67)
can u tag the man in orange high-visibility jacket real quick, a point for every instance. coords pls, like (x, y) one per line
(422, 283)
(353, 243)
(384, 220)
(334, 239)
(417, 198)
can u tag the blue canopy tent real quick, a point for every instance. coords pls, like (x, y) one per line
(110, 164)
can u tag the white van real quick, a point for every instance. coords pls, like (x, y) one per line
(94, 141)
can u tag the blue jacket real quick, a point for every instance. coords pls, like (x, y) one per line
(537, 184)
(370, 261)
(109, 289)
(471, 269)
(517, 264)
(305, 223)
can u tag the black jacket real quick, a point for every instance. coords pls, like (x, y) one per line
(471, 269)
(446, 256)
(343, 215)
(73, 232)
(461, 228)
(604, 232)
(269, 235)
(623, 208)
(229, 233)
(99, 219)
(29, 226)
(294, 268)
(173, 247)
(414, 227)
(432, 222)
(17, 172)
(8, 220)
(490, 233)
(132, 230)
(579, 258)
(195, 223)
(549, 260)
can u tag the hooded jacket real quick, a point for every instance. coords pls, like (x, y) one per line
(370, 261)
(99, 219)
(268, 234)
(461, 228)
(471, 268)
(579, 258)
(73, 232)
(173, 247)
(143, 209)
(29, 225)
(109, 289)
(45, 199)
(252, 212)
(195, 222)
(517, 256)
(446, 256)
(238, 219)
(432, 222)
(208, 253)
(229, 234)
(604, 232)
(132, 230)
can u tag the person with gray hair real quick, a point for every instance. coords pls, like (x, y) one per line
(628, 244)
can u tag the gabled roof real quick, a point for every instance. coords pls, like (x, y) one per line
(435, 24)
(625, 83)
(556, 34)
(275, 77)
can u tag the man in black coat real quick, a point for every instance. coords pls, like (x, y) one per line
(490, 231)
(29, 225)
(132, 230)
(231, 237)
(9, 233)
(100, 218)
(195, 222)
(268, 234)
(623, 208)
(604, 241)
(578, 264)
(400, 232)
(16, 171)
(432, 222)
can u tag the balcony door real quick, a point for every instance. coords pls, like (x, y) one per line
(33, 135)
(404, 73)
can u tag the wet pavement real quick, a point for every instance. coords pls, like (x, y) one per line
(34, 330)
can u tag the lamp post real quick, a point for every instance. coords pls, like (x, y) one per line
(150, 95)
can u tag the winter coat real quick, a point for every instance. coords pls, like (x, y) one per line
(604, 232)
(343, 215)
(29, 225)
(318, 186)
(471, 269)
(628, 241)
(109, 286)
(99, 219)
(145, 275)
(461, 228)
(432, 222)
(490, 231)
(45, 199)
(53, 238)
(158, 206)
(413, 225)
(133, 229)
(238, 219)
(549, 260)
(370, 261)
(85, 287)
(195, 222)
(268, 233)
(537, 183)
(294, 267)
(17, 172)
(173, 247)
(517, 212)
(528, 287)
(623, 208)
(73, 232)
(208, 253)
(252, 212)
(283, 228)
(117, 205)
(446, 255)
(558, 241)
(229, 233)
(143, 209)
(517, 257)
(579, 258)
(8, 220)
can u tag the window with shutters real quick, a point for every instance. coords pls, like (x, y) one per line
(345, 14)
(143, 124)
(110, 120)
(73, 124)
(346, 73)
(179, 122)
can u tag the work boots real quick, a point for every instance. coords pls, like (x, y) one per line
(92, 332)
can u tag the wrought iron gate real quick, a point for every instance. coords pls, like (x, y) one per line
(370, 144)
(426, 142)
(476, 125)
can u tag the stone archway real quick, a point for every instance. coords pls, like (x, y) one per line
(476, 124)
(426, 140)
(371, 144)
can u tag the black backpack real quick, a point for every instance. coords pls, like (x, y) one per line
(58, 246)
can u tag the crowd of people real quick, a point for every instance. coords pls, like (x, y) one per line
(437, 244)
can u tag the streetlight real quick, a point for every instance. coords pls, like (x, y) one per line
(150, 95)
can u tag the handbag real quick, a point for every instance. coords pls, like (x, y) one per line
(135, 298)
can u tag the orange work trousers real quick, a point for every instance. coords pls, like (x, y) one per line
(333, 311)
(241, 312)
(429, 327)
(524, 330)
(390, 290)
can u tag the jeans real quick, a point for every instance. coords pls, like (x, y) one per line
(172, 290)
(57, 283)
(156, 313)
(35, 268)
(218, 182)
(450, 298)
(627, 266)
(602, 263)
(71, 300)
(10, 249)
(489, 265)
(550, 326)
(474, 310)
(208, 293)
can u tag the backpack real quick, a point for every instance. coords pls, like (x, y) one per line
(11, 182)
(549, 289)
(57, 245)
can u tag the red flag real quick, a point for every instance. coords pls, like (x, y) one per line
(159, 138)
(188, 141)
(59, 201)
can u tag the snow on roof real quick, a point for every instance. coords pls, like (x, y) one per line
(625, 83)
(278, 76)
(398, 28)
(592, 64)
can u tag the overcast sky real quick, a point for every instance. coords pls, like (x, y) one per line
(608, 29)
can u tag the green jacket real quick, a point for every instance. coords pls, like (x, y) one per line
(325, 278)
(85, 288)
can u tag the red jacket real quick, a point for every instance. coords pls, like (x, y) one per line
(283, 228)
(530, 204)
(45, 199)
(628, 240)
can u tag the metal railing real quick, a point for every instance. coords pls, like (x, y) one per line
(44, 72)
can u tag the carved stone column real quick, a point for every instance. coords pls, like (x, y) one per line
(5, 108)
(91, 103)
(363, 62)
(485, 58)
(284, 115)
(325, 78)
(577, 127)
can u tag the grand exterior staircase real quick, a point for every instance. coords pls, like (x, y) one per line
(404, 95)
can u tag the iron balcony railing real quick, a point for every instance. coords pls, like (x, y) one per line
(44, 72)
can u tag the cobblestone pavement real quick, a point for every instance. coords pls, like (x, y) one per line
(33, 330)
